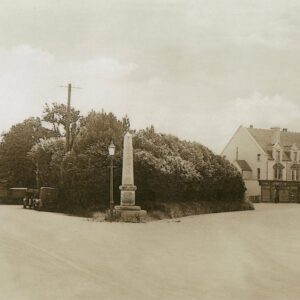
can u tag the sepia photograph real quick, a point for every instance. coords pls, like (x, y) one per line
(149, 150)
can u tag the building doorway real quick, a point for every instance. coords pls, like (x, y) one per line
(276, 195)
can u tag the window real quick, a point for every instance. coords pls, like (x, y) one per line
(277, 173)
(258, 173)
(295, 174)
(277, 155)
(258, 157)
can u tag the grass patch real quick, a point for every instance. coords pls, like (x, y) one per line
(182, 209)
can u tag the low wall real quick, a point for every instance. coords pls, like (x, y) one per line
(280, 191)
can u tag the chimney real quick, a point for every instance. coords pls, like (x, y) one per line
(275, 135)
(236, 153)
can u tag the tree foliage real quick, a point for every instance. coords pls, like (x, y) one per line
(47, 155)
(15, 165)
(56, 115)
(85, 169)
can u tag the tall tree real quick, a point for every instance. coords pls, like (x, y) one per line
(126, 123)
(101, 128)
(15, 165)
(47, 155)
(56, 115)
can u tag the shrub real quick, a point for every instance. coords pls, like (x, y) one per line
(168, 169)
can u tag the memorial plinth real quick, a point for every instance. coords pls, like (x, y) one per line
(127, 211)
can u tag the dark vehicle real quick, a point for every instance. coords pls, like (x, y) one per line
(31, 195)
(16, 195)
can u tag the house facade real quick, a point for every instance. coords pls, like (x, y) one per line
(269, 161)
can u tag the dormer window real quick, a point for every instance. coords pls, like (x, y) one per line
(294, 153)
(295, 156)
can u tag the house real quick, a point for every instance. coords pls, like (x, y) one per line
(269, 161)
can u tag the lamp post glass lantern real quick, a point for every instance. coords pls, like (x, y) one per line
(111, 151)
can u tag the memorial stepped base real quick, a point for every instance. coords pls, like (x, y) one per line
(132, 214)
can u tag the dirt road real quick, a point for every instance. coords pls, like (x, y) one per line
(240, 255)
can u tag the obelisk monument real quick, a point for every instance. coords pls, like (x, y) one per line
(127, 211)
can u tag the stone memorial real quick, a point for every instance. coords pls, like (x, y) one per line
(127, 211)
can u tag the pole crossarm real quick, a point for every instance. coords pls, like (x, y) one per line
(73, 87)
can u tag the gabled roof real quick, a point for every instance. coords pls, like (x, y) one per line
(264, 137)
(243, 165)
(290, 138)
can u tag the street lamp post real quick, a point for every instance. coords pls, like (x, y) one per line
(37, 172)
(111, 151)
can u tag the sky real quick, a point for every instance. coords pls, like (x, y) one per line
(196, 69)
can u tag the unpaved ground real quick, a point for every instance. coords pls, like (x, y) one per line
(240, 255)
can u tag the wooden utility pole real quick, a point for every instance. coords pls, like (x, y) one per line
(68, 116)
(37, 174)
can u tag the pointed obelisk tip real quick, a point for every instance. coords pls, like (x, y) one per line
(128, 134)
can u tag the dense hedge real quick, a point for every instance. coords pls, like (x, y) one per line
(170, 170)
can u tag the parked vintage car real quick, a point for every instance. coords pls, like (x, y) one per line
(43, 199)
(31, 195)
